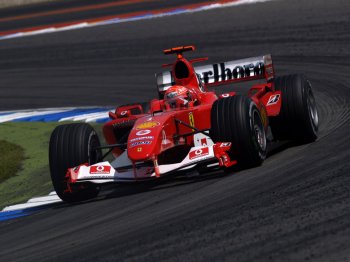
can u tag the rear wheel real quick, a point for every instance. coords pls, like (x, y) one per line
(237, 120)
(298, 119)
(70, 146)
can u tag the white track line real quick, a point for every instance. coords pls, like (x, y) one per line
(14, 116)
(35, 202)
(81, 116)
(86, 117)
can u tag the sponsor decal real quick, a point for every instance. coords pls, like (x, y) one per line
(142, 138)
(124, 123)
(225, 144)
(273, 99)
(199, 153)
(140, 143)
(225, 95)
(100, 169)
(148, 124)
(139, 149)
(123, 113)
(191, 118)
(101, 177)
(204, 142)
(143, 132)
(225, 71)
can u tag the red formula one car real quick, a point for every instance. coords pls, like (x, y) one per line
(188, 127)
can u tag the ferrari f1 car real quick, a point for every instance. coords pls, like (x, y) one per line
(187, 127)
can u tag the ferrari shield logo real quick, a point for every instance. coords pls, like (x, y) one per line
(139, 149)
(191, 118)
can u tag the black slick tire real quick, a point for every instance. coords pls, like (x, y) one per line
(70, 146)
(237, 120)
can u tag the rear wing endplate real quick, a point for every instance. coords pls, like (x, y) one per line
(226, 72)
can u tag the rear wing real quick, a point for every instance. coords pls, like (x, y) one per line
(226, 72)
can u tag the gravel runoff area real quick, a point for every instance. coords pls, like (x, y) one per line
(12, 3)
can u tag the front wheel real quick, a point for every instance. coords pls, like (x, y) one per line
(237, 120)
(72, 145)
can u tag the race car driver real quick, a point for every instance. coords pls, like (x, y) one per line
(179, 96)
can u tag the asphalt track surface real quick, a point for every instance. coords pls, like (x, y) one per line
(296, 207)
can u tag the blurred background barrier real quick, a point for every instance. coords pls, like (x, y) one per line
(11, 3)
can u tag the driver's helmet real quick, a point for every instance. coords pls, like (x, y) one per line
(179, 96)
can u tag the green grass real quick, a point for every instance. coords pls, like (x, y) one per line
(11, 157)
(33, 178)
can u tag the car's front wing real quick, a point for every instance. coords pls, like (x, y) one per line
(104, 172)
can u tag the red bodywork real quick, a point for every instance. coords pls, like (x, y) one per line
(159, 135)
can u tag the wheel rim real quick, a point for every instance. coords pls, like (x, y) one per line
(259, 131)
(311, 105)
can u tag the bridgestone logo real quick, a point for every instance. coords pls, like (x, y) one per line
(273, 99)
